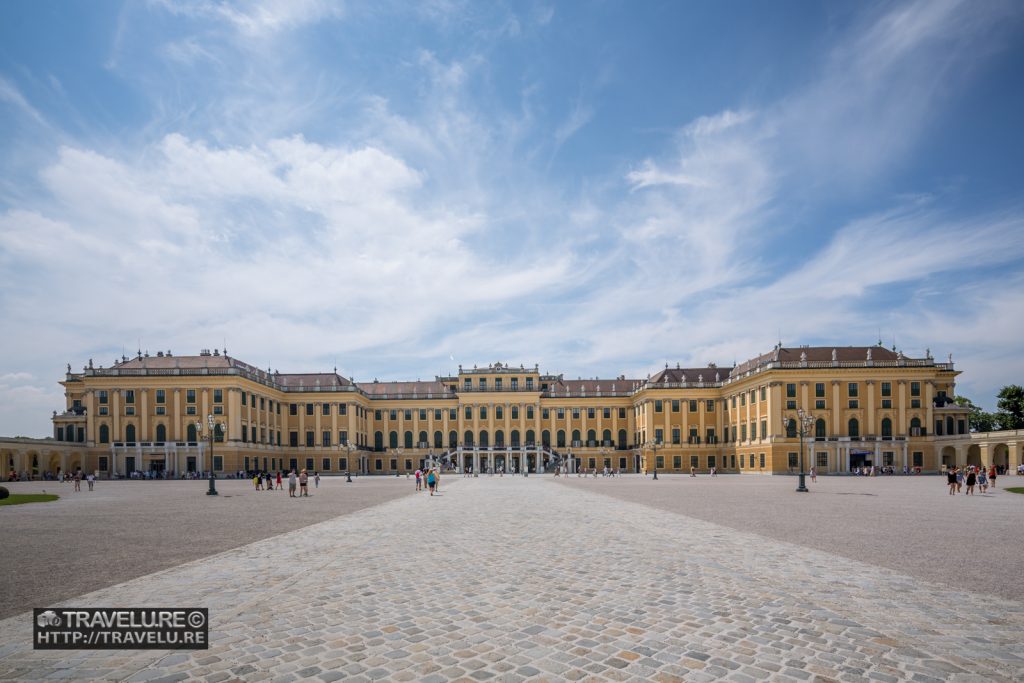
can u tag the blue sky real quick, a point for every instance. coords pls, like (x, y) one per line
(599, 188)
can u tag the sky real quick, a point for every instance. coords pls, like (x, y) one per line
(600, 188)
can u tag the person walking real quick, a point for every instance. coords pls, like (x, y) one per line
(982, 480)
(951, 480)
(693, 472)
(257, 481)
(959, 479)
(814, 475)
(419, 480)
(292, 481)
(303, 484)
(90, 479)
(992, 476)
(431, 481)
(278, 487)
(972, 479)
(316, 480)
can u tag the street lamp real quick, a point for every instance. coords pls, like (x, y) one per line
(213, 426)
(804, 422)
(654, 444)
(351, 448)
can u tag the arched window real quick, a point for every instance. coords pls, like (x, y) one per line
(408, 439)
(438, 440)
(468, 439)
(853, 428)
(561, 438)
(485, 439)
(575, 437)
(819, 429)
(514, 438)
(545, 438)
(161, 433)
(453, 439)
(392, 439)
(104, 434)
(606, 438)
(531, 437)
(790, 428)
(622, 438)
(129, 433)
(190, 432)
(591, 437)
(886, 427)
(423, 442)
(378, 441)
(499, 438)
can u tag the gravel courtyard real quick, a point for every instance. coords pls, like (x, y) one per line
(514, 579)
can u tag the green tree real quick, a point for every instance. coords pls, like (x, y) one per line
(979, 420)
(1010, 407)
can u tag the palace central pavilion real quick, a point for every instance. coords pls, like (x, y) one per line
(868, 406)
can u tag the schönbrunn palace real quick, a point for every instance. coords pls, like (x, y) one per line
(870, 406)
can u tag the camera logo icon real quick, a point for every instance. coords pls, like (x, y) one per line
(48, 618)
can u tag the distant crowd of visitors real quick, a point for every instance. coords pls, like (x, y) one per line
(971, 477)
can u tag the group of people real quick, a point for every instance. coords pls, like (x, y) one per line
(970, 476)
(432, 478)
(265, 481)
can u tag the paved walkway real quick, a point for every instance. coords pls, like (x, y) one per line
(510, 579)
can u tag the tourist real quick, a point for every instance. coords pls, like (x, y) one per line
(419, 480)
(78, 480)
(90, 479)
(972, 479)
(693, 471)
(982, 480)
(437, 480)
(278, 487)
(292, 481)
(257, 481)
(303, 484)
(992, 476)
(316, 480)
(951, 480)
(268, 480)
(814, 475)
(959, 479)
(432, 481)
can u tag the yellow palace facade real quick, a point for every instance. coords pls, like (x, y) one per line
(864, 406)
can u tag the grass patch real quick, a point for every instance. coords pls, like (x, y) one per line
(20, 498)
(1015, 489)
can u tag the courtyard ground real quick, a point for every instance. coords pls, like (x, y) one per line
(515, 579)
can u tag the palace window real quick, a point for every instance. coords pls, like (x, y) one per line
(483, 412)
(467, 384)
(792, 460)
(529, 384)
(743, 399)
(762, 460)
(515, 412)
(819, 390)
(819, 404)
(469, 413)
(129, 396)
(545, 413)
(675, 405)
(822, 460)
(263, 404)
(915, 388)
(161, 396)
(764, 394)
(918, 459)
(293, 439)
(561, 414)
(854, 403)
(497, 384)
(659, 436)
(622, 413)
(677, 462)
(575, 413)
(293, 409)
(590, 413)
(309, 409)
(190, 396)
(499, 413)
(218, 395)
(407, 415)
(103, 396)
(189, 410)
(675, 435)
(886, 388)
(657, 406)
(791, 391)
(852, 389)
(853, 428)
(325, 439)
(709, 405)
(886, 403)
(743, 432)
(764, 429)
(160, 410)
(452, 414)
(309, 439)
(325, 408)
(606, 413)
(483, 384)
(423, 413)
(529, 412)
(217, 410)
(437, 413)
(515, 383)
(753, 431)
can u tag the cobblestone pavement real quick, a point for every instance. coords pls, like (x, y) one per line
(513, 579)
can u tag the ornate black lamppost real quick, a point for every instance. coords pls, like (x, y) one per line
(803, 422)
(213, 426)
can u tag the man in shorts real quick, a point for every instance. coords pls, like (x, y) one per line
(303, 484)
(292, 481)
